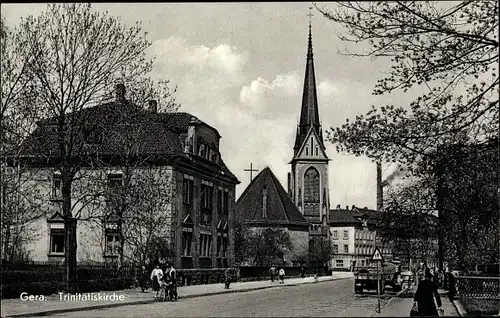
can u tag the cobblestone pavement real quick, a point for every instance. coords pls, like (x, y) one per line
(329, 298)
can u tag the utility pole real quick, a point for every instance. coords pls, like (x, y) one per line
(439, 171)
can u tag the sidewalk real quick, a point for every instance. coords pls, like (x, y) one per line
(55, 304)
(401, 306)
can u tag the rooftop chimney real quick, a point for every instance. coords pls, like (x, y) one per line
(380, 189)
(153, 106)
(264, 202)
(120, 93)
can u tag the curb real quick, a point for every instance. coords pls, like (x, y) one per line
(150, 301)
(460, 309)
(395, 296)
(389, 301)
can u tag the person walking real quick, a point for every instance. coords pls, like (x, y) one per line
(282, 276)
(302, 272)
(228, 275)
(172, 278)
(156, 277)
(143, 279)
(272, 272)
(427, 291)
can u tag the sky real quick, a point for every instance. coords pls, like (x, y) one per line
(240, 68)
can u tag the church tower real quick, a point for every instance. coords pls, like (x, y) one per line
(308, 179)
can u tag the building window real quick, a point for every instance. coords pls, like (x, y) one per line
(317, 150)
(115, 184)
(335, 235)
(346, 234)
(346, 248)
(188, 188)
(205, 246)
(206, 196)
(187, 239)
(312, 143)
(339, 263)
(335, 249)
(363, 262)
(56, 186)
(57, 241)
(225, 203)
(112, 242)
(311, 186)
(219, 246)
(225, 244)
(219, 201)
(307, 151)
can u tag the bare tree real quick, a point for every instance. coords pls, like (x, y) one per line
(77, 55)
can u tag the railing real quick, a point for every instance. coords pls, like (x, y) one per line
(475, 287)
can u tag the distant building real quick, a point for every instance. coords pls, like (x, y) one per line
(265, 203)
(353, 233)
(181, 149)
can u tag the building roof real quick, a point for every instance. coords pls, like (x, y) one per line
(279, 208)
(117, 129)
(354, 216)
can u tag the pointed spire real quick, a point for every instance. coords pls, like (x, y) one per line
(309, 114)
(310, 43)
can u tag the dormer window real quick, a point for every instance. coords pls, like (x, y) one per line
(215, 157)
(207, 153)
(56, 186)
(201, 151)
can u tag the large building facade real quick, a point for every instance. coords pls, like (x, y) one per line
(308, 179)
(165, 168)
(354, 238)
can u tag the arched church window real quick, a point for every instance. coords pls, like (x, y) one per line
(311, 185)
(307, 151)
(316, 150)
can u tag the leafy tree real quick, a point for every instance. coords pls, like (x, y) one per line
(445, 52)
(470, 208)
(449, 51)
(241, 234)
(260, 246)
(74, 55)
(320, 251)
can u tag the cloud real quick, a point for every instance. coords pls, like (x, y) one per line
(268, 98)
(257, 116)
(223, 59)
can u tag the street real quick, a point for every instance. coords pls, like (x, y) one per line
(331, 298)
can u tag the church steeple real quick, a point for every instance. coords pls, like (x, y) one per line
(309, 114)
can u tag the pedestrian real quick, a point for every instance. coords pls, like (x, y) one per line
(427, 290)
(156, 277)
(172, 286)
(142, 279)
(272, 272)
(228, 273)
(282, 276)
(302, 272)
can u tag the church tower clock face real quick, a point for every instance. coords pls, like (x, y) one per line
(308, 179)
